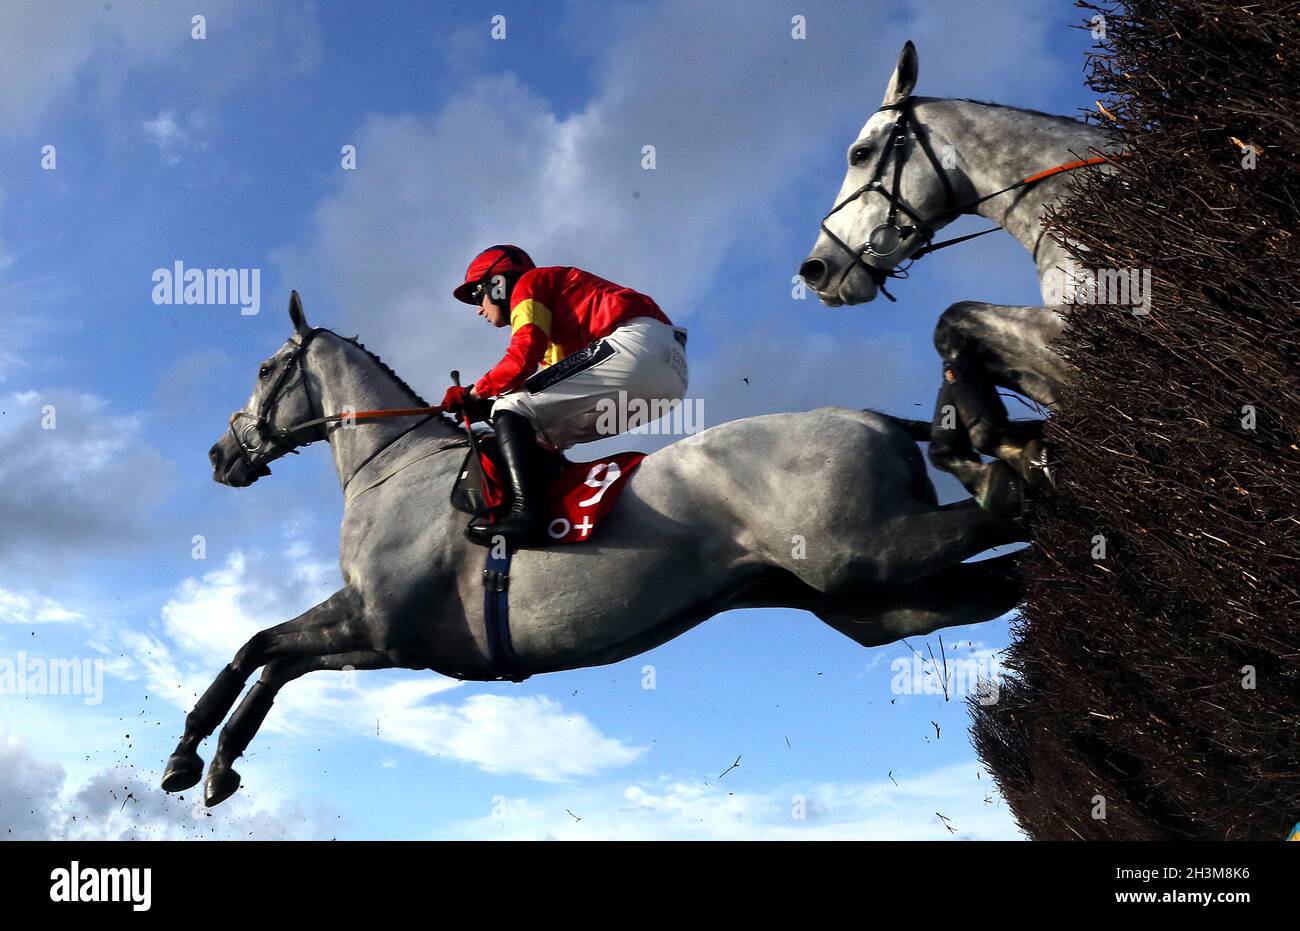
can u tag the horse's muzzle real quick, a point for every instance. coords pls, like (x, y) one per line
(837, 282)
(230, 468)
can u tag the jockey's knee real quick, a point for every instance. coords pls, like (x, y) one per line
(518, 405)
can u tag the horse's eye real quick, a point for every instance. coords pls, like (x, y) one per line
(263, 372)
(859, 155)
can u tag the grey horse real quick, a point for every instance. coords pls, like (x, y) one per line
(829, 511)
(918, 164)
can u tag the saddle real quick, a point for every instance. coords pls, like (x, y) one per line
(576, 496)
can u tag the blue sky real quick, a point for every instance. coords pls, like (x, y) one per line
(225, 152)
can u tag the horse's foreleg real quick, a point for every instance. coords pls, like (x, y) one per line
(984, 347)
(327, 628)
(1012, 344)
(239, 731)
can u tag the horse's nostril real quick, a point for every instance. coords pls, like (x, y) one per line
(812, 272)
(214, 456)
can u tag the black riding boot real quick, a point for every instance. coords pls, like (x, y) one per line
(521, 524)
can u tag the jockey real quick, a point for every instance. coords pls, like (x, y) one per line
(600, 344)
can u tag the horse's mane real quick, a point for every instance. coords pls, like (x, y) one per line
(1028, 110)
(387, 369)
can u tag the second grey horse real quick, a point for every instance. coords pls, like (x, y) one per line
(918, 164)
(829, 511)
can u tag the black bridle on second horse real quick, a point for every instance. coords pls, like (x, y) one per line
(888, 238)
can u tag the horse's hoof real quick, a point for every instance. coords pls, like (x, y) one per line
(222, 783)
(183, 770)
(1037, 465)
(1002, 492)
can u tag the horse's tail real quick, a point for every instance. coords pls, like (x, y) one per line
(917, 429)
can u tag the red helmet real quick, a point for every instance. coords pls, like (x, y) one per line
(496, 260)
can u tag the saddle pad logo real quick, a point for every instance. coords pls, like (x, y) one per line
(584, 493)
(579, 496)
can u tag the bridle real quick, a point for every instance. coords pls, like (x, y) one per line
(270, 444)
(260, 443)
(887, 238)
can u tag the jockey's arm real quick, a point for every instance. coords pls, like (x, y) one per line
(531, 322)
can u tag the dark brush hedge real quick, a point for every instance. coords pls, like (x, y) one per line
(1128, 671)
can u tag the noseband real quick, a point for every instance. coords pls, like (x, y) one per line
(888, 238)
(258, 441)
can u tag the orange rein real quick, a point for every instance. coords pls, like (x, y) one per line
(1071, 166)
(382, 414)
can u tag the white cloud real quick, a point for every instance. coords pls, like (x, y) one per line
(31, 608)
(234, 594)
(530, 735)
(177, 139)
(164, 132)
(163, 129)
(115, 803)
(687, 809)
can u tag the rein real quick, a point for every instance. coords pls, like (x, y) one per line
(887, 238)
(272, 443)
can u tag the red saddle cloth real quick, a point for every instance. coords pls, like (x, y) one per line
(577, 496)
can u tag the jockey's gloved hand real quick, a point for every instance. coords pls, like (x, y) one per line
(456, 398)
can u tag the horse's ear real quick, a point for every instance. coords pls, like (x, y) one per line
(903, 82)
(296, 315)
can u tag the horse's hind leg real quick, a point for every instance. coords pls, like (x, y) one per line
(968, 593)
(329, 627)
(918, 545)
(239, 731)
